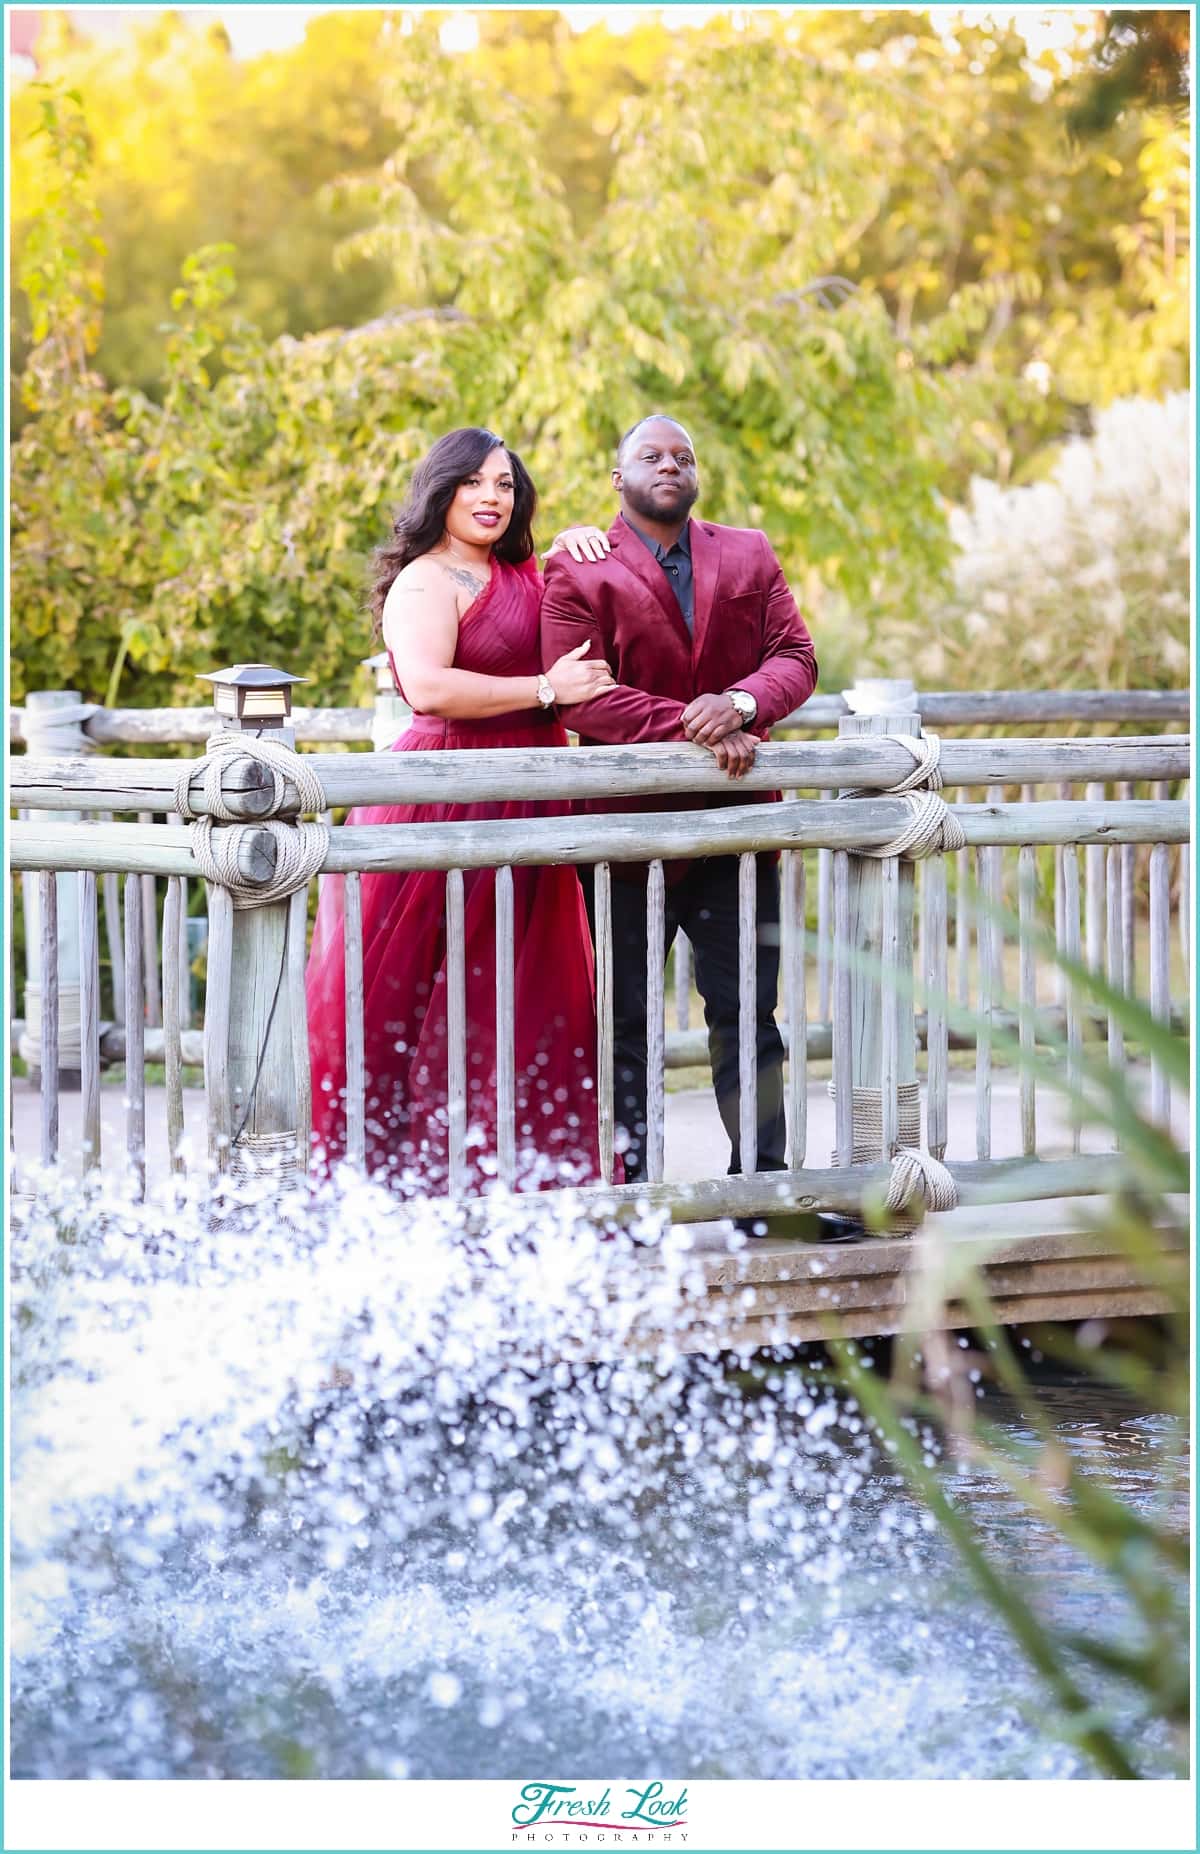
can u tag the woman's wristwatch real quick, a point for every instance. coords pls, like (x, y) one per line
(745, 704)
(545, 692)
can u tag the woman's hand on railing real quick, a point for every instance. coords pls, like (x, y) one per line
(582, 543)
(574, 680)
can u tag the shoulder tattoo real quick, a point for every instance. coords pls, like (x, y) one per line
(468, 580)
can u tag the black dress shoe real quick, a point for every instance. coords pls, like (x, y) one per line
(751, 1226)
(831, 1227)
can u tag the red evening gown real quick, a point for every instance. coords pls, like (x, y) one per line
(404, 964)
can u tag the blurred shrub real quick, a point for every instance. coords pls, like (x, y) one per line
(1081, 580)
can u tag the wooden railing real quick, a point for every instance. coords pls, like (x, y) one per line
(106, 727)
(946, 923)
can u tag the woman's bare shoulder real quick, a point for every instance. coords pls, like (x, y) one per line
(424, 578)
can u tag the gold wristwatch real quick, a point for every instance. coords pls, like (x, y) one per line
(545, 692)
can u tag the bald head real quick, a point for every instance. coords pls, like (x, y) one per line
(651, 418)
(655, 476)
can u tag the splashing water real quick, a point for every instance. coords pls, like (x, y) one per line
(345, 1490)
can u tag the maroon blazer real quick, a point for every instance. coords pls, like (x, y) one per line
(748, 634)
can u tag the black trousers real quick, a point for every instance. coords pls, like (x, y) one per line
(704, 903)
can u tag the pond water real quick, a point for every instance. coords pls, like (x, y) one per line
(461, 1554)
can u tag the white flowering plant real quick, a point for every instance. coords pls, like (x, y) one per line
(1081, 580)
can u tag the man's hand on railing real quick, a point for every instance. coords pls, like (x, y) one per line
(709, 718)
(734, 753)
(712, 721)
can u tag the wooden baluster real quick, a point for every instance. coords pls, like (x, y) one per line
(796, 996)
(89, 1019)
(323, 817)
(1094, 904)
(456, 1030)
(506, 1054)
(843, 1007)
(922, 908)
(150, 941)
(825, 935)
(297, 956)
(185, 959)
(173, 932)
(1128, 906)
(984, 1004)
(1160, 974)
(47, 886)
(937, 978)
(889, 1033)
(604, 1017)
(962, 926)
(1060, 914)
(1070, 944)
(656, 1074)
(218, 998)
(747, 1012)
(135, 1033)
(1116, 954)
(1027, 984)
(356, 1076)
(114, 935)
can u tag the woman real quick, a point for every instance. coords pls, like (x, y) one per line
(457, 595)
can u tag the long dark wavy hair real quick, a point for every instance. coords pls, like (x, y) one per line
(421, 523)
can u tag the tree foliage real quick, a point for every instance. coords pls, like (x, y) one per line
(860, 259)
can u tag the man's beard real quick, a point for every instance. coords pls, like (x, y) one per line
(647, 506)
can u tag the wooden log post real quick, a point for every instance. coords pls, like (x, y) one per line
(883, 1054)
(254, 1098)
(391, 712)
(53, 726)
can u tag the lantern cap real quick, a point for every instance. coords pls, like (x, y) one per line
(376, 662)
(251, 676)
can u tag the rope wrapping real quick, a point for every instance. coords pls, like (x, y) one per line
(300, 848)
(260, 1167)
(915, 1174)
(221, 749)
(56, 732)
(70, 1026)
(932, 826)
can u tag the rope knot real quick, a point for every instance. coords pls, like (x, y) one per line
(918, 1173)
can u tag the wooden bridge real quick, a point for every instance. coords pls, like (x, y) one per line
(884, 959)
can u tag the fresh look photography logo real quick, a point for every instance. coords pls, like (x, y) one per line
(558, 1813)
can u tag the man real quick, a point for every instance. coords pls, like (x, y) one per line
(706, 644)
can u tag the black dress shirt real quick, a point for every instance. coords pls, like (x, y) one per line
(676, 563)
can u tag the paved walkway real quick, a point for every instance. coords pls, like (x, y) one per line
(696, 1146)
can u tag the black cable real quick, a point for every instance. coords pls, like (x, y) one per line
(262, 1054)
